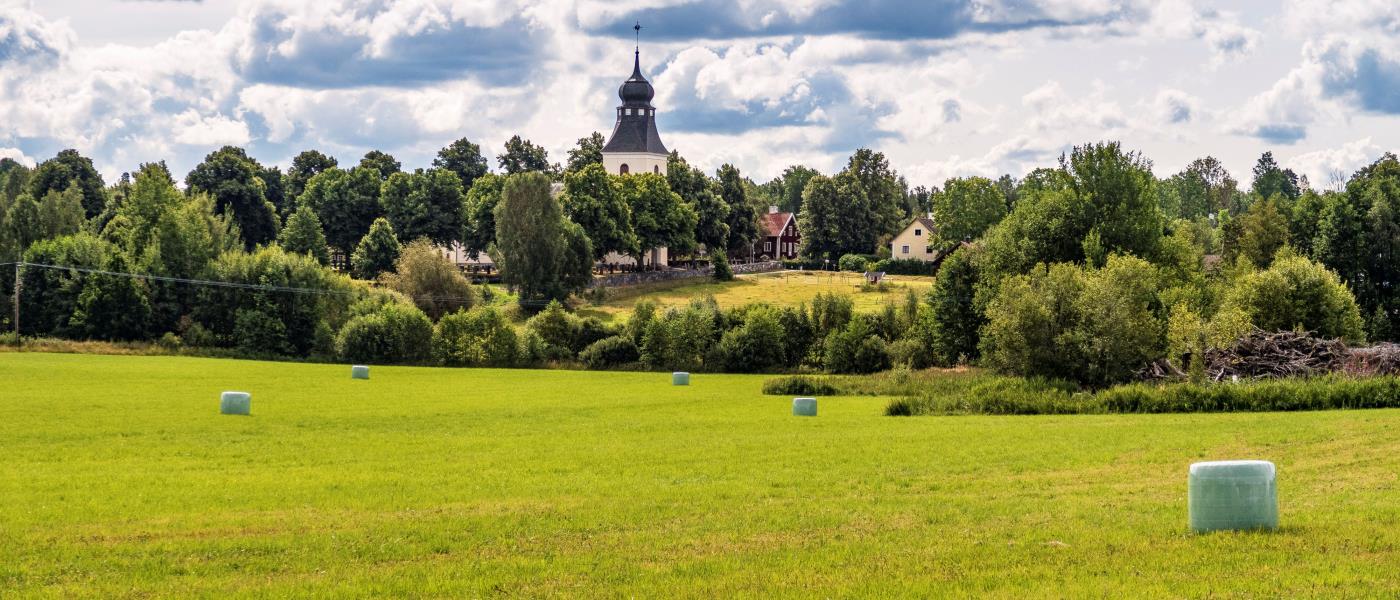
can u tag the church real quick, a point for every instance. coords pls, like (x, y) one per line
(635, 146)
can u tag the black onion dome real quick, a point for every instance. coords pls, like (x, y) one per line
(636, 91)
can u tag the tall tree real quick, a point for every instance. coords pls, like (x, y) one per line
(233, 180)
(1263, 230)
(794, 181)
(463, 158)
(424, 204)
(660, 218)
(479, 222)
(67, 169)
(1271, 180)
(743, 219)
(537, 249)
(14, 179)
(347, 202)
(382, 162)
(306, 165)
(588, 151)
(590, 199)
(303, 235)
(699, 191)
(522, 156)
(377, 252)
(966, 208)
(831, 207)
(884, 194)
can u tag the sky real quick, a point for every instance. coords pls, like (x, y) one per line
(945, 88)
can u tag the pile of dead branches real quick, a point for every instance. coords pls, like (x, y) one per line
(1381, 359)
(1265, 355)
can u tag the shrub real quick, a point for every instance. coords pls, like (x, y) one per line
(611, 352)
(854, 263)
(169, 342)
(377, 251)
(394, 333)
(557, 328)
(721, 265)
(680, 340)
(911, 353)
(258, 333)
(481, 337)
(430, 280)
(755, 346)
(831, 312)
(1298, 293)
(905, 266)
(1322, 393)
(799, 385)
(856, 349)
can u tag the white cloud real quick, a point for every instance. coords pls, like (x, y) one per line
(1325, 167)
(17, 155)
(194, 129)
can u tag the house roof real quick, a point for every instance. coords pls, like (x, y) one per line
(773, 223)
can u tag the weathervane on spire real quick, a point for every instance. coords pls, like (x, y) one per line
(638, 28)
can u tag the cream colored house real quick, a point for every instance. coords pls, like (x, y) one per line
(915, 242)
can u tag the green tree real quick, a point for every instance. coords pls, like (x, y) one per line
(303, 235)
(659, 217)
(535, 247)
(1296, 293)
(522, 156)
(377, 251)
(966, 208)
(347, 202)
(1263, 230)
(306, 165)
(699, 191)
(463, 158)
(883, 203)
(479, 222)
(14, 180)
(232, 179)
(382, 162)
(424, 204)
(1271, 180)
(956, 321)
(590, 199)
(111, 307)
(65, 170)
(481, 337)
(743, 218)
(61, 213)
(588, 151)
(830, 223)
(794, 182)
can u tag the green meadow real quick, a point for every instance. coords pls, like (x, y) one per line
(121, 479)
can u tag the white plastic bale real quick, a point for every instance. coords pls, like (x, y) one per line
(235, 403)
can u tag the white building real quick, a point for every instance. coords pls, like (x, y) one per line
(635, 146)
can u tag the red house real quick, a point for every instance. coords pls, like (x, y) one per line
(780, 238)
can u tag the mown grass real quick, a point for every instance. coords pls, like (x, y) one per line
(120, 479)
(787, 288)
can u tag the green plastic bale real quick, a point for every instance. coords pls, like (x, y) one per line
(359, 372)
(804, 407)
(235, 403)
(680, 378)
(1232, 495)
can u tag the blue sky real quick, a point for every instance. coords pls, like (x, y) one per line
(943, 87)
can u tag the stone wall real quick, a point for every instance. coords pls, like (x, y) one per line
(628, 279)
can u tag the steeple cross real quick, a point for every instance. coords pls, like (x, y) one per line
(638, 28)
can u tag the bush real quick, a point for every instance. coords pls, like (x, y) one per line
(557, 328)
(721, 265)
(481, 337)
(1323, 393)
(854, 263)
(799, 385)
(911, 353)
(755, 346)
(806, 264)
(680, 340)
(1298, 293)
(611, 352)
(431, 281)
(394, 333)
(905, 266)
(856, 349)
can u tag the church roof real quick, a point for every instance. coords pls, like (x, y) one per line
(636, 118)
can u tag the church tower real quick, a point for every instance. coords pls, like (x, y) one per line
(635, 145)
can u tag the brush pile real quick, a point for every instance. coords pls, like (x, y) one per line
(1269, 355)
(1381, 359)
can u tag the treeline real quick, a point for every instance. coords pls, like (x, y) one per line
(1085, 271)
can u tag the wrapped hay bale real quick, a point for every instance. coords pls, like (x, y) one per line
(680, 378)
(1232, 495)
(235, 403)
(804, 407)
(359, 372)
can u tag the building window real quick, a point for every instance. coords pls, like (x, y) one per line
(624, 169)
(767, 246)
(928, 250)
(918, 232)
(656, 169)
(905, 250)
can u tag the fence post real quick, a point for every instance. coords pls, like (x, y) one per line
(18, 283)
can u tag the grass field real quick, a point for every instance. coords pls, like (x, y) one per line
(787, 288)
(120, 478)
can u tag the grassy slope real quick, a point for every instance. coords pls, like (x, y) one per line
(120, 478)
(788, 288)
